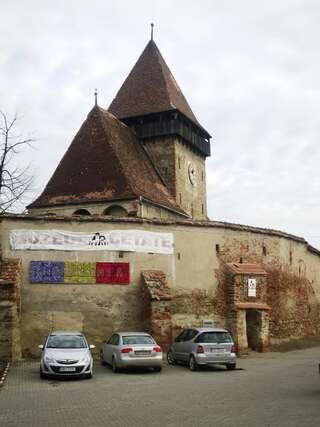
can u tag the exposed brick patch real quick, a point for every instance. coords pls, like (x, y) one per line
(295, 310)
(10, 308)
(156, 284)
(157, 298)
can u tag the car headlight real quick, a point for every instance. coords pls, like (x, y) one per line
(85, 359)
(49, 359)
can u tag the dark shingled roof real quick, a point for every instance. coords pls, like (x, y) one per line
(104, 162)
(150, 88)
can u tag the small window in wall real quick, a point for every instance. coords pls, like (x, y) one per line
(121, 254)
(217, 249)
(115, 211)
(81, 212)
(179, 256)
(179, 162)
(180, 198)
(165, 171)
(264, 250)
(202, 208)
(290, 257)
(241, 260)
(202, 176)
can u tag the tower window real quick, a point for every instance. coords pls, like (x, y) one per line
(202, 208)
(290, 257)
(180, 198)
(179, 162)
(217, 249)
(202, 176)
(264, 250)
(179, 256)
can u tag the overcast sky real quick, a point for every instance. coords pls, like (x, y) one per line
(250, 71)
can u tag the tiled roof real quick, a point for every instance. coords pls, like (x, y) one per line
(246, 268)
(104, 162)
(252, 305)
(150, 88)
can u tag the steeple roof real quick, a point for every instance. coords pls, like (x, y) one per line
(150, 88)
(105, 162)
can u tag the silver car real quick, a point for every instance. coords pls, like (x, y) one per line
(66, 353)
(131, 349)
(203, 346)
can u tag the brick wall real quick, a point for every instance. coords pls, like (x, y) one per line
(10, 303)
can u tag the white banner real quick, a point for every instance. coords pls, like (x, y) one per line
(115, 240)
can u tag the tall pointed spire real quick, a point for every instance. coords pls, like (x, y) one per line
(150, 88)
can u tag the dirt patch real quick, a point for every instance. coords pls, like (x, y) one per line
(297, 344)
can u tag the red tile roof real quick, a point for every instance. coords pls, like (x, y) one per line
(150, 88)
(246, 268)
(104, 162)
(252, 305)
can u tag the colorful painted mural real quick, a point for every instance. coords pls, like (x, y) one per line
(76, 273)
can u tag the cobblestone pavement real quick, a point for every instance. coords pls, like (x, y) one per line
(274, 389)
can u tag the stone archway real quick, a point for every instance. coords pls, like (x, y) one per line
(83, 212)
(115, 210)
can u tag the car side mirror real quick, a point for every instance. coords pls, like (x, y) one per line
(40, 346)
(91, 346)
(177, 339)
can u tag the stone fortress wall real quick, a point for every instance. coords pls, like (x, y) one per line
(194, 277)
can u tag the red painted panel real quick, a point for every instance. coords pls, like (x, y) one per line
(113, 273)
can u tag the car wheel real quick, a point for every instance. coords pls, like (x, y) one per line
(102, 361)
(170, 358)
(157, 368)
(114, 365)
(231, 366)
(89, 376)
(193, 366)
(43, 376)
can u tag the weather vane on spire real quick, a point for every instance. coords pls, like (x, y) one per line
(95, 97)
(152, 25)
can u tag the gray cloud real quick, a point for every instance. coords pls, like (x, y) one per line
(248, 69)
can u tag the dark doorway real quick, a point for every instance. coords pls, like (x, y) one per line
(253, 322)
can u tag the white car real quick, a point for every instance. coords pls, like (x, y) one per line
(66, 353)
(131, 349)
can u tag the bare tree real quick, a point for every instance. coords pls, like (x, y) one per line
(15, 181)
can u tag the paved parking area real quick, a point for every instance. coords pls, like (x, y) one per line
(275, 389)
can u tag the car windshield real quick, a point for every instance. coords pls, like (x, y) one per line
(66, 341)
(137, 339)
(214, 337)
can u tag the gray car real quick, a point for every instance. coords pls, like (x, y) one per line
(66, 353)
(131, 349)
(203, 346)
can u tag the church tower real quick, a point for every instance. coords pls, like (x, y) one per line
(151, 103)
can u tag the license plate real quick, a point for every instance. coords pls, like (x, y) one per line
(67, 369)
(142, 353)
(217, 350)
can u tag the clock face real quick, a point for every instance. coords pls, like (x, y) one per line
(192, 173)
